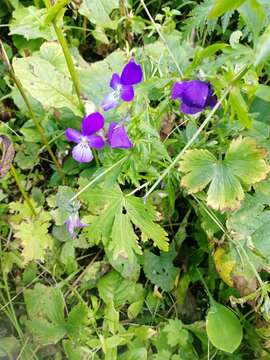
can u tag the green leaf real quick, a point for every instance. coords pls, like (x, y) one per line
(76, 319)
(223, 328)
(46, 332)
(8, 347)
(44, 302)
(226, 177)
(55, 90)
(262, 50)
(29, 22)
(253, 14)
(176, 334)
(45, 308)
(221, 6)
(27, 157)
(160, 270)
(239, 107)
(34, 237)
(115, 229)
(144, 217)
(98, 12)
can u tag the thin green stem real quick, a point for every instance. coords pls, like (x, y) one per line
(188, 144)
(22, 191)
(69, 61)
(97, 178)
(162, 38)
(52, 16)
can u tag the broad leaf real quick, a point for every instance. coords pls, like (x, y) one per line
(176, 334)
(51, 91)
(98, 12)
(29, 22)
(223, 328)
(45, 308)
(226, 177)
(221, 6)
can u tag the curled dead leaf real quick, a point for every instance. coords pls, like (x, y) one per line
(7, 155)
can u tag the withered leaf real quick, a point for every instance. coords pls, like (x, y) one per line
(7, 155)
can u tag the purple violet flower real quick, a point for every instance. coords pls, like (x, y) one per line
(118, 137)
(74, 222)
(87, 138)
(123, 85)
(195, 95)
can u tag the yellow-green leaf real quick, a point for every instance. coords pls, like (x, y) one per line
(244, 163)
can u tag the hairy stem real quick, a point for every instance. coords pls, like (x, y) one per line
(22, 191)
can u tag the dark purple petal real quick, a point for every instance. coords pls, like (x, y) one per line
(115, 81)
(74, 222)
(178, 89)
(212, 98)
(73, 135)
(127, 92)
(195, 94)
(95, 141)
(118, 137)
(82, 153)
(187, 109)
(110, 101)
(131, 74)
(92, 123)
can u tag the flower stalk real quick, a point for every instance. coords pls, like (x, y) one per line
(63, 43)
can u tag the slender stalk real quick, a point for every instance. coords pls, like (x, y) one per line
(162, 38)
(22, 191)
(32, 114)
(189, 143)
(69, 61)
(63, 43)
(97, 178)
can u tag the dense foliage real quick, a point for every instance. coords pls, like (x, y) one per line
(135, 189)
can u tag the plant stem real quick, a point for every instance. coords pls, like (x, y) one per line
(63, 43)
(97, 178)
(23, 192)
(189, 143)
(162, 38)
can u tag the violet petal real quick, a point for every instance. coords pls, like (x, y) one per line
(95, 141)
(189, 109)
(195, 94)
(127, 92)
(92, 123)
(118, 137)
(73, 135)
(82, 153)
(110, 101)
(115, 81)
(131, 74)
(178, 89)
